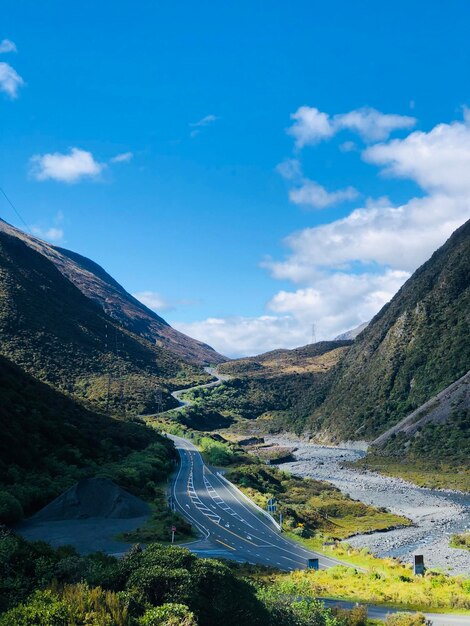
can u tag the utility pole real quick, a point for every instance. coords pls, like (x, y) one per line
(108, 392)
(158, 400)
(313, 334)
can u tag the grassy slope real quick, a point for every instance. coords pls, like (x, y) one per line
(283, 386)
(415, 347)
(49, 328)
(49, 442)
(312, 508)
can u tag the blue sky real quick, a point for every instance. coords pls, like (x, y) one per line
(150, 137)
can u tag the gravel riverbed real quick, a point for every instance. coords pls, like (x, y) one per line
(436, 514)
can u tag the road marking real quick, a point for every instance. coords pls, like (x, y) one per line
(225, 544)
(194, 454)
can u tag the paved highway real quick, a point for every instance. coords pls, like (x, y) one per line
(232, 527)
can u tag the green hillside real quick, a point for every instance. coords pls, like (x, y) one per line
(415, 346)
(57, 334)
(281, 386)
(49, 442)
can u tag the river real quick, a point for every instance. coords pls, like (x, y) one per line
(436, 514)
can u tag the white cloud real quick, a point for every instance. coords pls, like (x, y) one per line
(10, 80)
(205, 121)
(312, 194)
(153, 300)
(348, 146)
(335, 305)
(346, 270)
(243, 336)
(66, 168)
(401, 237)
(312, 126)
(290, 169)
(372, 125)
(53, 234)
(124, 157)
(340, 301)
(308, 192)
(6, 45)
(438, 160)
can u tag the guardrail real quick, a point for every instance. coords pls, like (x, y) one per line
(265, 513)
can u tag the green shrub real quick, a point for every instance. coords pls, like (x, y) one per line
(169, 614)
(11, 510)
(43, 609)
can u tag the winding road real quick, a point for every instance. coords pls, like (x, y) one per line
(233, 527)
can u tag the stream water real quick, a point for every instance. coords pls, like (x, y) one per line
(436, 514)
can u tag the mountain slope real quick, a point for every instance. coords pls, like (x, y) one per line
(431, 446)
(281, 386)
(99, 286)
(49, 441)
(417, 345)
(351, 334)
(50, 329)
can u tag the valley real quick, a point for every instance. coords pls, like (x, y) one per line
(201, 444)
(436, 515)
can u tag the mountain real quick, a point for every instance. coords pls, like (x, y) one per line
(60, 336)
(95, 283)
(281, 386)
(351, 334)
(440, 410)
(415, 347)
(314, 357)
(431, 445)
(49, 441)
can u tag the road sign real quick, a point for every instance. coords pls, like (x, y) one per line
(173, 529)
(418, 565)
(313, 564)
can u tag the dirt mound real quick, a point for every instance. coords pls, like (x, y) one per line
(93, 498)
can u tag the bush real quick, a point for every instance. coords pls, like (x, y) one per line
(407, 619)
(78, 604)
(168, 615)
(11, 510)
(42, 609)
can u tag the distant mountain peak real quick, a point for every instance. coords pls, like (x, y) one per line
(97, 285)
(353, 333)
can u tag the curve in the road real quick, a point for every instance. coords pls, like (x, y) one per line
(232, 528)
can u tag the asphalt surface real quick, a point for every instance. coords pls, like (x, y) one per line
(380, 613)
(231, 526)
(235, 529)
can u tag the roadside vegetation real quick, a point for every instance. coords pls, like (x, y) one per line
(155, 587)
(311, 508)
(49, 442)
(461, 540)
(386, 582)
(438, 456)
(158, 526)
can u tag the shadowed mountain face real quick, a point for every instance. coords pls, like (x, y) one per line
(415, 347)
(49, 441)
(99, 286)
(53, 331)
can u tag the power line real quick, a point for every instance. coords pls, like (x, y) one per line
(15, 209)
